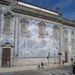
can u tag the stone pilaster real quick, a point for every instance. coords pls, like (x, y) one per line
(56, 37)
(0, 24)
(60, 43)
(0, 38)
(65, 39)
(65, 44)
(73, 43)
(16, 39)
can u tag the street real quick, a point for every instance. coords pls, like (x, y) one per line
(66, 70)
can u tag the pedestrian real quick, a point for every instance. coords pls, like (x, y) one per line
(38, 66)
(62, 62)
(7, 63)
(42, 65)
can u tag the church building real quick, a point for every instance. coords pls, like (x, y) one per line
(30, 34)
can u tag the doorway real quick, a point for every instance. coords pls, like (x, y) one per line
(66, 56)
(6, 56)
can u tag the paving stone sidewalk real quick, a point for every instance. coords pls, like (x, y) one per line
(53, 69)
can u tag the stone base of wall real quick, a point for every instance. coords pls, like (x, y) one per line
(35, 61)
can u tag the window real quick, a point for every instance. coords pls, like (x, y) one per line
(65, 34)
(7, 23)
(41, 26)
(55, 31)
(24, 27)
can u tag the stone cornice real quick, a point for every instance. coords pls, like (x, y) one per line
(68, 22)
(32, 12)
(37, 13)
(5, 2)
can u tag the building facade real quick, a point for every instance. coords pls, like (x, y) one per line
(29, 34)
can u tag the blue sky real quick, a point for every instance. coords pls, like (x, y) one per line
(67, 7)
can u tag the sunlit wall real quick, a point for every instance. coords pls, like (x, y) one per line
(31, 46)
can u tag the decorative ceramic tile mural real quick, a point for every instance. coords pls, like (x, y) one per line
(33, 46)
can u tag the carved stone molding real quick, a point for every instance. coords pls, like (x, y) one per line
(56, 26)
(35, 13)
(41, 23)
(8, 15)
(6, 44)
(24, 20)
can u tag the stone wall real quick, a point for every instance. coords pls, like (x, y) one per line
(36, 61)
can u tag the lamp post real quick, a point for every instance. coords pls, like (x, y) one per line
(16, 58)
(48, 58)
(54, 56)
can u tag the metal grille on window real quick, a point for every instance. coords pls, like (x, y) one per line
(42, 27)
(7, 29)
(24, 27)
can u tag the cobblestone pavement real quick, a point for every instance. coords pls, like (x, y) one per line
(63, 70)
